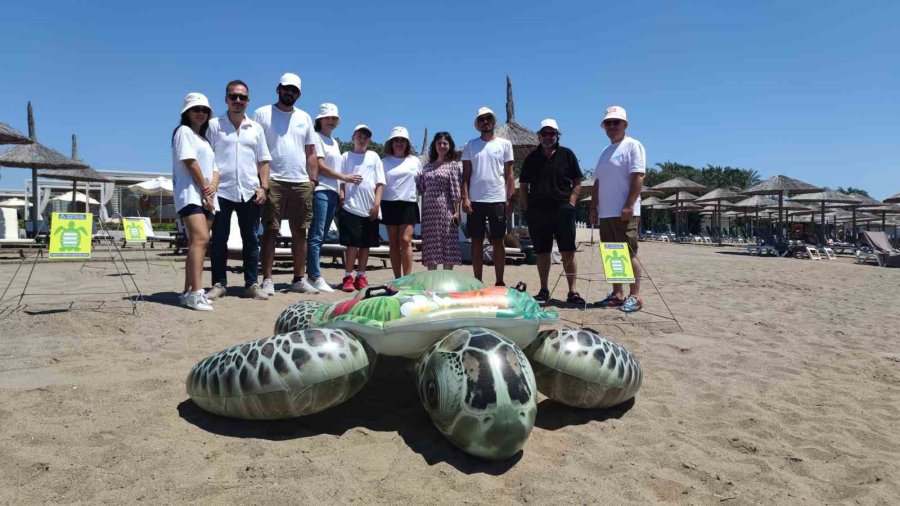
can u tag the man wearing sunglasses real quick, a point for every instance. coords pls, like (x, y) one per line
(616, 200)
(487, 189)
(243, 160)
(291, 138)
(548, 190)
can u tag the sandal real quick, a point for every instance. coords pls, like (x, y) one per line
(543, 295)
(575, 298)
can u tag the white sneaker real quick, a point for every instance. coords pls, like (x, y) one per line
(303, 286)
(321, 285)
(196, 301)
(268, 286)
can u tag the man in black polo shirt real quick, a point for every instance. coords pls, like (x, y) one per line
(548, 189)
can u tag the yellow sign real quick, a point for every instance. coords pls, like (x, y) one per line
(71, 235)
(134, 230)
(616, 262)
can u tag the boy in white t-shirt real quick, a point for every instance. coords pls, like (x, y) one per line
(487, 189)
(360, 207)
(616, 200)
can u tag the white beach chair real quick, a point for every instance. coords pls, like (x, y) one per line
(9, 229)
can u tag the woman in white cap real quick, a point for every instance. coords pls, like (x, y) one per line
(400, 206)
(439, 187)
(325, 197)
(360, 207)
(196, 178)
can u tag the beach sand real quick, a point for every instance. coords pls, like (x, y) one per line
(782, 385)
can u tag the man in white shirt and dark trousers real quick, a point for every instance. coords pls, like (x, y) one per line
(487, 189)
(292, 141)
(243, 160)
(616, 200)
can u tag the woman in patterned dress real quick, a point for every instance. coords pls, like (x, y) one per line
(439, 187)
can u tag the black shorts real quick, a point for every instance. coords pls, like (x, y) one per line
(399, 212)
(192, 209)
(616, 230)
(546, 221)
(494, 213)
(358, 232)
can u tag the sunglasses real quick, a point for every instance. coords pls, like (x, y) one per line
(237, 97)
(485, 119)
(547, 133)
(613, 122)
(199, 110)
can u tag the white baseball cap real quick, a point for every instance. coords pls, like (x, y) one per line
(363, 127)
(328, 110)
(194, 99)
(289, 79)
(481, 112)
(398, 131)
(615, 112)
(549, 123)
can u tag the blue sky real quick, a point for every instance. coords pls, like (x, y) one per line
(805, 89)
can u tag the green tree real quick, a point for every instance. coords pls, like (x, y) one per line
(851, 190)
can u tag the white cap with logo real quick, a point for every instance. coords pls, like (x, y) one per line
(481, 112)
(615, 112)
(289, 79)
(398, 131)
(549, 123)
(327, 110)
(194, 99)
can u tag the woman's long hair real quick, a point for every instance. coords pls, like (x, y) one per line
(432, 150)
(187, 122)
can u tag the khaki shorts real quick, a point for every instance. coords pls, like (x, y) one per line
(616, 230)
(293, 200)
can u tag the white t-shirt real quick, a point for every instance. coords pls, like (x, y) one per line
(188, 145)
(237, 154)
(287, 135)
(487, 183)
(331, 152)
(359, 198)
(401, 175)
(613, 176)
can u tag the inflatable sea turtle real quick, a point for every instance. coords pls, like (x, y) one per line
(480, 360)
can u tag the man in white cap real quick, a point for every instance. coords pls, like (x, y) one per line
(243, 160)
(292, 140)
(549, 185)
(616, 200)
(487, 189)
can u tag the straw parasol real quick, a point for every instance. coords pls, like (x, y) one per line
(893, 199)
(676, 185)
(86, 174)
(884, 209)
(717, 196)
(754, 203)
(781, 186)
(9, 135)
(647, 192)
(523, 140)
(34, 156)
(822, 198)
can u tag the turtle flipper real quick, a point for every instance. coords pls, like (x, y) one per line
(581, 369)
(283, 376)
(300, 316)
(479, 390)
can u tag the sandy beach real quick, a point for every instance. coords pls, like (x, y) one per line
(779, 384)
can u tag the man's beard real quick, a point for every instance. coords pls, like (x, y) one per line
(287, 101)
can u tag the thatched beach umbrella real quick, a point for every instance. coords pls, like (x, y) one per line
(9, 135)
(884, 209)
(893, 199)
(676, 185)
(34, 156)
(754, 204)
(718, 196)
(86, 174)
(647, 192)
(523, 140)
(781, 186)
(823, 198)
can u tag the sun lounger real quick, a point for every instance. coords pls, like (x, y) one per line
(9, 230)
(885, 253)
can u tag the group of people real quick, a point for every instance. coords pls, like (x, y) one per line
(279, 163)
